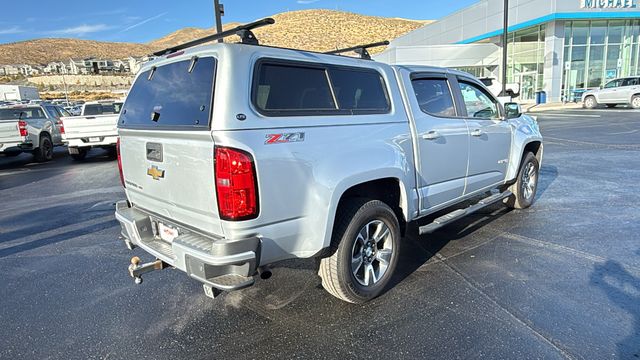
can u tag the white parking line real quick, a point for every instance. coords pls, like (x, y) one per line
(569, 115)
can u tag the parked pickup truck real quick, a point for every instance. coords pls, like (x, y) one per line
(30, 128)
(237, 156)
(95, 127)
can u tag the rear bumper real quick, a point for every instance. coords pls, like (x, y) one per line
(212, 261)
(16, 146)
(85, 141)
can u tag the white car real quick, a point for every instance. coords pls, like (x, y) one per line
(616, 92)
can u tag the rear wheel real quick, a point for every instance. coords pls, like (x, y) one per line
(366, 242)
(44, 152)
(80, 155)
(590, 102)
(635, 102)
(525, 187)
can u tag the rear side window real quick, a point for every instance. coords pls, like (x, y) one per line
(359, 90)
(179, 94)
(434, 97)
(631, 82)
(295, 89)
(286, 88)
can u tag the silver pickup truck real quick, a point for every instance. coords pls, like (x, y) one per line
(97, 126)
(30, 128)
(237, 156)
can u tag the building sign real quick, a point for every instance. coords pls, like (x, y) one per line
(608, 4)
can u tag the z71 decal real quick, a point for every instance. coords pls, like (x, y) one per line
(284, 138)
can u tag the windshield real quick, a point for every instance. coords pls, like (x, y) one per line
(22, 113)
(102, 109)
(176, 94)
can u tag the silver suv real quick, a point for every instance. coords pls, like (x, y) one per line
(237, 156)
(616, 92)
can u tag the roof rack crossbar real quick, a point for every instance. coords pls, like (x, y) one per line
(244, 31)
(359, 49)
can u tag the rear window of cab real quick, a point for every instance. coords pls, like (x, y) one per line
(284, 88)
(175, 95)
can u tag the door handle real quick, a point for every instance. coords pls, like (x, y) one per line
(477, 132)
(431, 135)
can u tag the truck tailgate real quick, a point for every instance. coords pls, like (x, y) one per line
(9, 132)
(171, 174)
(89, 126)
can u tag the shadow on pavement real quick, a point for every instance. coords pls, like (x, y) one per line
(623, 290)
(548, 174)
(57, 238)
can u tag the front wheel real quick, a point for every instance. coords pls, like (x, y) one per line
(635, 102)
(525, 187)
(366, 242)
(590, 102)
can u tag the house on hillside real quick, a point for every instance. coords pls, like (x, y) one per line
(55, 67)
(90, 66)
(121, 66)
(28, 70)
(135, 63)
(9, 70)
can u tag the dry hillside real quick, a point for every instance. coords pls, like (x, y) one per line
(318, 30)
(42, 51)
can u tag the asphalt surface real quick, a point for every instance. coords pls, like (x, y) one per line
(559, 280)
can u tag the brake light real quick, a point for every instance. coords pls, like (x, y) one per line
(236, 184)
(22, 126)
(120, 162)
(61, 126)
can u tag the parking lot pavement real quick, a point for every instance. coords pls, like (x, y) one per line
(560, 280)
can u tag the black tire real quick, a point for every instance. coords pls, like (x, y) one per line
(611, 105)
(522, 197)
(635, 102)
(44, 152)
(590, 102)
(82, 153)
(112, 152)
(354, 218)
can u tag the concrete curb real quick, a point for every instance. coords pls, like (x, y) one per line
(552, 106)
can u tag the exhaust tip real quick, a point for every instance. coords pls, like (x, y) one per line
(264, 272)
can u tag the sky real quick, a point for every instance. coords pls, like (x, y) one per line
(144, 20)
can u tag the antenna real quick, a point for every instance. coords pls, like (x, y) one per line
(360, 49)
(244, 31)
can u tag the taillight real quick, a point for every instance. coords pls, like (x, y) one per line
(120, 162)
(22, 126)
(60, 126)
(236, 184)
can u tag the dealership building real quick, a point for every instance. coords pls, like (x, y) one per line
(561, 47)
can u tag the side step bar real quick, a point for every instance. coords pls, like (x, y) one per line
(460, 213)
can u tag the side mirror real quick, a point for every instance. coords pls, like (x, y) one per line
(512, 110)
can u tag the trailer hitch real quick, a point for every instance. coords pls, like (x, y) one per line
(136, 269)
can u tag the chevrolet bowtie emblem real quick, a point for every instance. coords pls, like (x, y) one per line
(155, 173)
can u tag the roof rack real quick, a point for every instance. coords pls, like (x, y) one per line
(244, 31)
(360, 49)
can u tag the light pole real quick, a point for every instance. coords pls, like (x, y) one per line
(505, 33)
(219, 11)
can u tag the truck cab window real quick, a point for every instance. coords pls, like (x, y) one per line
(477, 102)
(434, 97)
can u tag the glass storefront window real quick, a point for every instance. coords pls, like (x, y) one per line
(616, 29)
(598, 51)
(580, 32)
(596, 66)
(598, 32)
(526, 60)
